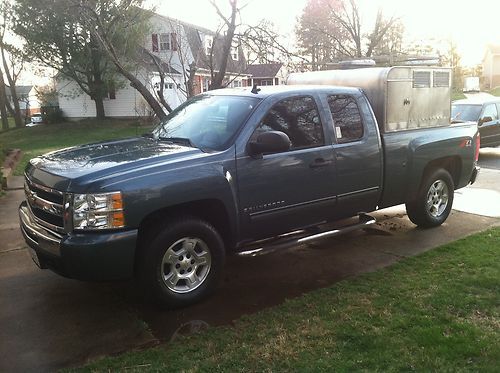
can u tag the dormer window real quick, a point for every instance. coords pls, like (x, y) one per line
(164, 42)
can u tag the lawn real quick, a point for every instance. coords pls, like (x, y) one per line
(439, 311)
(495, 92)
(34, 141)
(457, 95)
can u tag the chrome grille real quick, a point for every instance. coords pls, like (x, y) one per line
(45, 204)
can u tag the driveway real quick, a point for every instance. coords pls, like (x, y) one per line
(48, 322)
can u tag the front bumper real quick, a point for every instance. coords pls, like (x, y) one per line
(93, 256)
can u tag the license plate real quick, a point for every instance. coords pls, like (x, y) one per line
(34, 256)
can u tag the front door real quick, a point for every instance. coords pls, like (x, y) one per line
(292, 189)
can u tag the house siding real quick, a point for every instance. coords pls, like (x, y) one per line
(76, 104)
(491, 70)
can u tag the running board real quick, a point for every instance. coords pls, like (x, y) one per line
(364, 220)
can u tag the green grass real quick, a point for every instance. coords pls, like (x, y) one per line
(439, 311)
(457, 95)
(495, 91)
(34, 141)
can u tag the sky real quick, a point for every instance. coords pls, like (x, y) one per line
(471, 25)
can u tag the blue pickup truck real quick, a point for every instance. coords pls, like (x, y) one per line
(227, 171)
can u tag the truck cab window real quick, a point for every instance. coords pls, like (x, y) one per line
(298, 117)
(346, 118)
(490, 111)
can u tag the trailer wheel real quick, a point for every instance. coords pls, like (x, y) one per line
(182, 263)
(434, 200)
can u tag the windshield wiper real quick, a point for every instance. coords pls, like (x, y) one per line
(178, 140)
(453, 121)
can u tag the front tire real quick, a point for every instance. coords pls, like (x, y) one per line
(432, 205)
(183, 262)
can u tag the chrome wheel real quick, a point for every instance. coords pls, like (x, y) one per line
(437, 198)
(185, 265)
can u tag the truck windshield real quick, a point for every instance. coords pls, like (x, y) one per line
(465, 113)
(206, 122)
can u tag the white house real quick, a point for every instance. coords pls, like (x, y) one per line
(177, 45)
(27, 98)
(491, 67)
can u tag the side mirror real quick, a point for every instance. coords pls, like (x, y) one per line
(484, 120)
(270, 142)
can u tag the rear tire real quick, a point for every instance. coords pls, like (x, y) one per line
(433, 202)
(182, 262)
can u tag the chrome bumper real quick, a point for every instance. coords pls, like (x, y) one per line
(36, 235)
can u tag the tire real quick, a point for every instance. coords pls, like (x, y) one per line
(434, 200)
(181, 263)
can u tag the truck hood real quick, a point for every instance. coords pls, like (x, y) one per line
(104, 159)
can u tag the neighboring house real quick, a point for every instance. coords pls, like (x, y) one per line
(267, 74)
(27, 98)
(178, 45)
(491, 67)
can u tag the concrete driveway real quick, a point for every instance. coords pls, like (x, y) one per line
(49, 322)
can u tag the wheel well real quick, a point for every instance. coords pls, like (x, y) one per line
(209, 210)
(451, 164)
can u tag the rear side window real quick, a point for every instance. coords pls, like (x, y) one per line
(490, 110)
(298, 117)
(346, 118)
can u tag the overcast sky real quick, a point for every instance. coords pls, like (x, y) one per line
(470, 24)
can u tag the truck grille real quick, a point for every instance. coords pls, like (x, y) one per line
(46, 205)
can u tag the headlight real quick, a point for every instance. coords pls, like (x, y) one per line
(98, 211)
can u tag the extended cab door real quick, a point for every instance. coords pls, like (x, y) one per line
(291, 189)
(358, 153)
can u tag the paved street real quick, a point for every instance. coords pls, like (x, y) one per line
(49, 322)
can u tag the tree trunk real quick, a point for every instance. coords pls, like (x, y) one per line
(17, 111)
(99, 107)
(3, 103)
(226, 48)
(190, 80)
(98, 87)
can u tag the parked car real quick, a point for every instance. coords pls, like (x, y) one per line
(231, 168)
(485, 112)
(36, 119)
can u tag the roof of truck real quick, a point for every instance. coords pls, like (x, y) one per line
(266, 91)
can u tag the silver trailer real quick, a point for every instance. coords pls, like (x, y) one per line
(402, 97)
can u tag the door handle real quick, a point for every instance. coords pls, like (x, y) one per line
(320, 162)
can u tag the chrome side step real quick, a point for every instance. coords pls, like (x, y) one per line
(283, 243)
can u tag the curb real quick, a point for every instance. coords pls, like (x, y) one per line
(11, 160)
